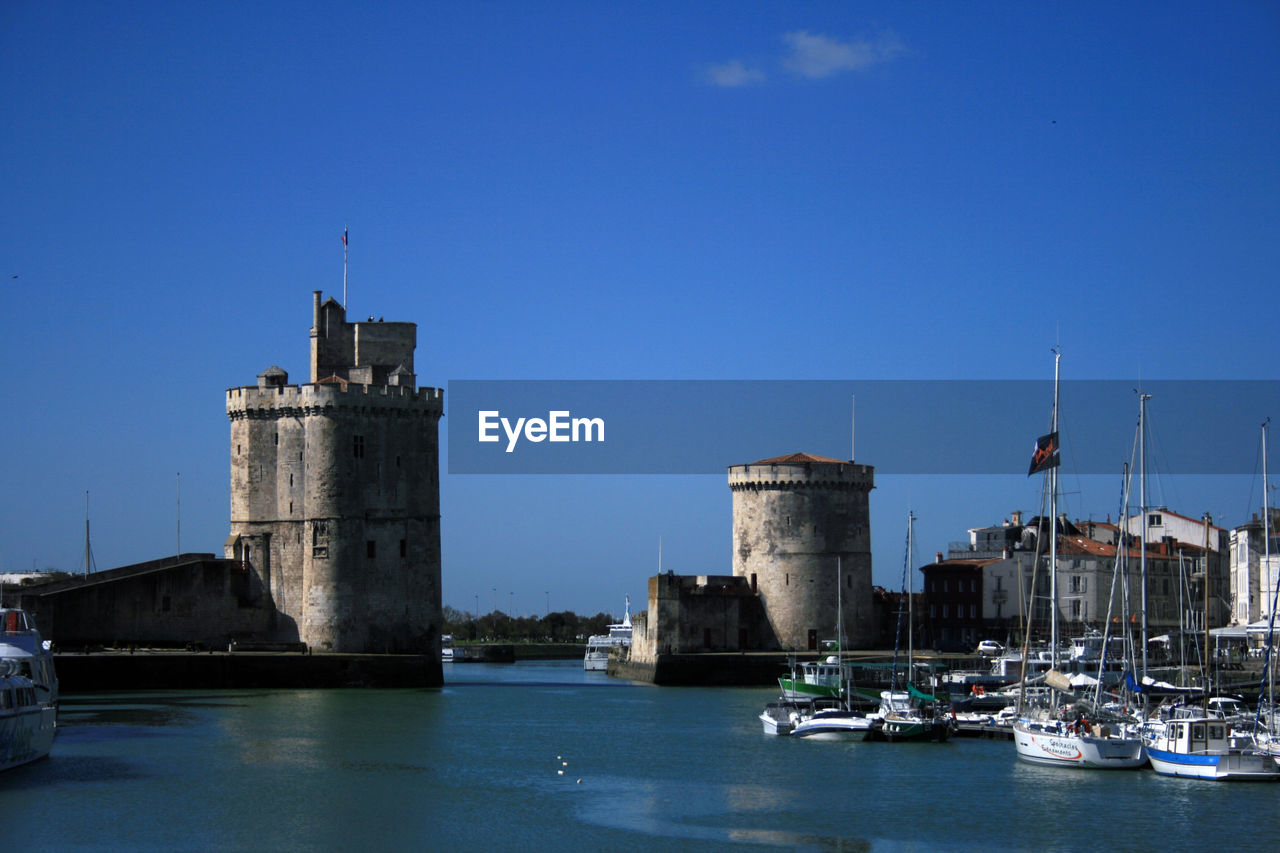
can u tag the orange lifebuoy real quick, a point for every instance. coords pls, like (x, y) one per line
(977, 690)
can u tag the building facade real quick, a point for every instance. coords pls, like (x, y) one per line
(1010, 560)
(1255, 568)
(335, 495)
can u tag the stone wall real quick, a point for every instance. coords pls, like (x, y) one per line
(335, 494)
(193, 598)
(802, 539)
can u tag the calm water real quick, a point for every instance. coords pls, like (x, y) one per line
(474, 766)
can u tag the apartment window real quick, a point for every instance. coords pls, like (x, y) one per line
(973, 611)
(946, 611)
(358, 446)
(1154, 520)
(404, 548)
(371, 548)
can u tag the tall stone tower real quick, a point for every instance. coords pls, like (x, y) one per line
(335, 491)
(793, 516)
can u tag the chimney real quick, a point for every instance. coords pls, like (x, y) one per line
(937, 558)
(1017, 517)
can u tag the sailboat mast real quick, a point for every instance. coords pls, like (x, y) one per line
(1207, 520)
(911, 518)
(1053, 526)
(1268, 682)
(839, 609)
(1142, 502)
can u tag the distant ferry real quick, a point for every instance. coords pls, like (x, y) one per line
(599, 645)
(448, 653)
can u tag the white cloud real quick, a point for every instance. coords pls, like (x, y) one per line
(733, 73)
(817, 56)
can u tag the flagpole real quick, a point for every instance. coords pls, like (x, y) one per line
(344, 266)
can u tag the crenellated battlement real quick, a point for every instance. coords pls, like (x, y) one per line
(835, 476)
(295, 400)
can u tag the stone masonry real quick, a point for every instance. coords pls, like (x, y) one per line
(335, 492)
(795, 518)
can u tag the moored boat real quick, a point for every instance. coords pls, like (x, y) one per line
(28, 691)
(1062, 743)
(1206, 748)
(834, 724)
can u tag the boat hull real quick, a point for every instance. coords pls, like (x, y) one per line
(834, 727)
(914, 730)
(1058, 749)
(1234, 766)
(795, 690)
(26, 736)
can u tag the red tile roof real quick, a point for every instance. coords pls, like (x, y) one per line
(800, 457)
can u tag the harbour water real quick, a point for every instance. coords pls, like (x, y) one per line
(542, 756)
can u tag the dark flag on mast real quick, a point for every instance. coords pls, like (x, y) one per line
(1046, 455)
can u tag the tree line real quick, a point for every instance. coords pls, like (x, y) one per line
(560, 627)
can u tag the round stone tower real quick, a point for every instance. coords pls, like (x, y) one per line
(795, 519)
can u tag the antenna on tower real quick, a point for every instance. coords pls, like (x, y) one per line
(344, 266)
(853, 411)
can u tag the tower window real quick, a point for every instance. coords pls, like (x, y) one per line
(371, 548)
(358, 446)
(404, 548)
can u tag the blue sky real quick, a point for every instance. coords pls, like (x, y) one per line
(614, 191)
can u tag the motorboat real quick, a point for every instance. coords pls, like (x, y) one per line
(28, 691)
(835, 724)
(820, 679)
(1207, 748)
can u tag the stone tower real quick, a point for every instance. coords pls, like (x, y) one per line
(792, 517)
(335, 491)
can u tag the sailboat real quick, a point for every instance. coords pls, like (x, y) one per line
(1040, 736)
(841, 722)
(910, 714)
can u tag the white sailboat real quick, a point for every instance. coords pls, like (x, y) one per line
(1042, 736)
(840, 722)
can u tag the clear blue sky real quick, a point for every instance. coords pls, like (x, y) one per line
(614, 190)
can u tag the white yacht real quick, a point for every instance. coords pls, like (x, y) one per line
(28, 691)
(599, 646)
